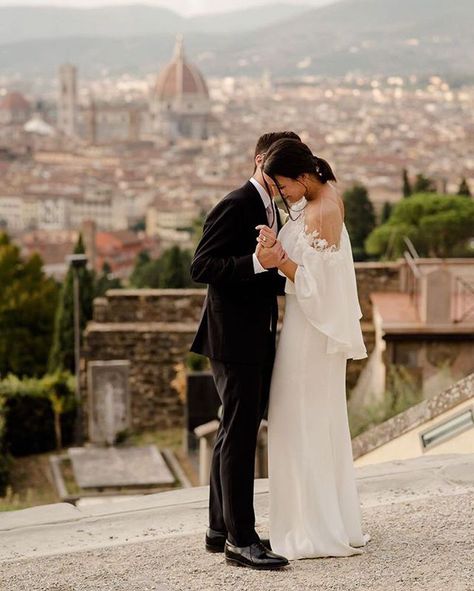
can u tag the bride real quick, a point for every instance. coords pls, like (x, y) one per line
(314, 505)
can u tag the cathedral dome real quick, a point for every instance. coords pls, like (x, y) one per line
(180, 78)
(14, 101)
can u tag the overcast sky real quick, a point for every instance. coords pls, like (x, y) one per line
(183, 6)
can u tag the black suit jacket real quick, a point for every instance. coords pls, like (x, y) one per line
(240, 305)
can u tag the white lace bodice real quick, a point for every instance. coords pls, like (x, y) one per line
(294, 237)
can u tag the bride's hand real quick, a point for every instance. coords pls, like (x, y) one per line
(267, 237)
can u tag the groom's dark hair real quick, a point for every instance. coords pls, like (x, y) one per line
(267, 139)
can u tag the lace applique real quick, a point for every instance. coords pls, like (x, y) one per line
(320, 244)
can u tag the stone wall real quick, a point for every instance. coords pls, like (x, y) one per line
(376, 277)
(153, 329)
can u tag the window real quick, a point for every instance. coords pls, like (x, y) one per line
(448, 429)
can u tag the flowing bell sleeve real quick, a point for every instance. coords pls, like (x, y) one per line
(326, 290)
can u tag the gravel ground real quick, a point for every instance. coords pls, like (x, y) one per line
(424, 544)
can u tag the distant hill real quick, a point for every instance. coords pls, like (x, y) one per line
(369, 36)
(26, 23)
(422, 37)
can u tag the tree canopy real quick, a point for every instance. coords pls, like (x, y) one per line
(438, 226)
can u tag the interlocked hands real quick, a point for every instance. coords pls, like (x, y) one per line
(270, 252)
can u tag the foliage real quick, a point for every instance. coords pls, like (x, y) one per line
(464, 189)
(38, 414)
(359, 218)
(171, 270)
(407, 189)
(386, 212)
(105, 281)
(424, 184)
(403, 394)
(62, 351)
(438, 226)
(195, 362)
(27, 307)
(4, 456)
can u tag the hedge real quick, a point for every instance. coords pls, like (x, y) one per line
(27, 409)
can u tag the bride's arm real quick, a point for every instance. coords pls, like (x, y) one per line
(288, 268)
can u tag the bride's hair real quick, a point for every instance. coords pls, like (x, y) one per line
(290, 158)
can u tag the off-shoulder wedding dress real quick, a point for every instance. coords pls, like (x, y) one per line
(314, 504)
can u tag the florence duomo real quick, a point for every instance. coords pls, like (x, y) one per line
(177, 107)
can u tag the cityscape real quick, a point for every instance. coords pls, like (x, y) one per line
(140, 160)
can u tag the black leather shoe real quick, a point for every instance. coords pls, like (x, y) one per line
(254, 556)
(215, 541)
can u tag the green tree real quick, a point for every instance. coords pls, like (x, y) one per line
(424, 184)
(464, 188)
(175, 268)
(386, 211)
(407, 190)
(146, 272)
(171, 270)
(105, 281)
(198, 225)
(62, 351)
(438, 226)
(27, 304)
(359, 218)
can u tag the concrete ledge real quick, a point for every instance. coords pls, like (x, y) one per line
(61, 528)
(413, 417)
(41, 515)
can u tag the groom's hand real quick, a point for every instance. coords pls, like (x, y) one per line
(270, 258)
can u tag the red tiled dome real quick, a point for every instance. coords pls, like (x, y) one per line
(180, 77)
(14, 101)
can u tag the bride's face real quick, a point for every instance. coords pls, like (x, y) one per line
(292, 189)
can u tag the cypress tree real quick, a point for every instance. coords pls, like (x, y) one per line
(62, 350)
(407, 190)
(464, 188)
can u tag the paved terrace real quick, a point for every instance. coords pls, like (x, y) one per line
(420, 514)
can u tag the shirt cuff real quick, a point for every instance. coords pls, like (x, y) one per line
(257, 267)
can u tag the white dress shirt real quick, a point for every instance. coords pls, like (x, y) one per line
(267, 201)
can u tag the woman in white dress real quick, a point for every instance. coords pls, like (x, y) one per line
(314, 504)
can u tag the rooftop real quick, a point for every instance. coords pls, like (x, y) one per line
(415, 510)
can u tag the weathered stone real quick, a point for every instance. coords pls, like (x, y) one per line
(154, 328)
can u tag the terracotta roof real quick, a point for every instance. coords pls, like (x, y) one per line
(14, 101)
(116, 239)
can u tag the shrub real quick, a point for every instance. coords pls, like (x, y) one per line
(38, 414)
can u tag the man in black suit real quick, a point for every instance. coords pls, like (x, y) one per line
(237, 332)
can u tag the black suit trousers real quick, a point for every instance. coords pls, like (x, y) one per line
(244, 392)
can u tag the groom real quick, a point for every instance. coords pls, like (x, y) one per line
(237, 332)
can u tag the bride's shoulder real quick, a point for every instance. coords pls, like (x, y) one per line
(330, 208)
